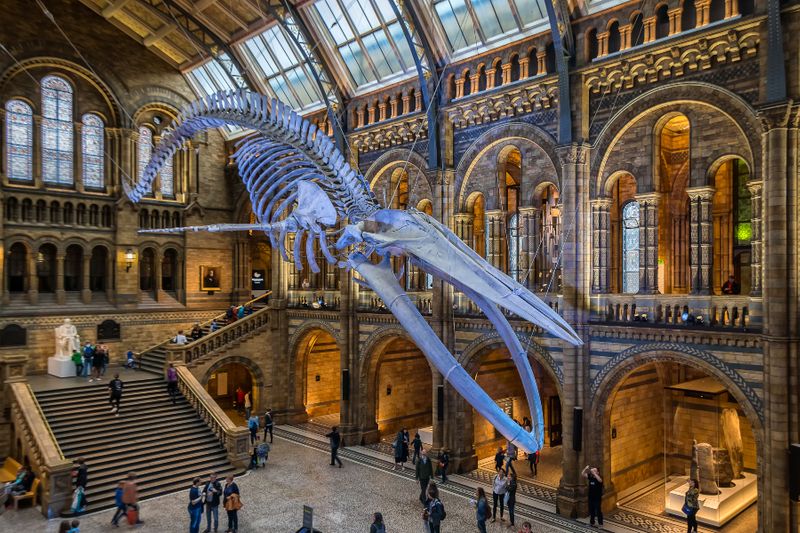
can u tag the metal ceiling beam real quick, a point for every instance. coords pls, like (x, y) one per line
(204, 38)
(564, 44)
(287, 16)
(425, 63)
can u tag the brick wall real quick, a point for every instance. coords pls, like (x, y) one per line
(322, 397)
(404, 367)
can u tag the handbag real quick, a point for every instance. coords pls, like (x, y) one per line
(687, 510)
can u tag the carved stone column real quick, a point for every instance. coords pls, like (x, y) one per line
(33, 279)
(625, 36)
(494, 238)
(731, 8)
(77, 163)
(524, 67)
(360, 118)
(541, 62)
(459, 88)
(474, 86)
(157, 271)
(649, 29)
(393, 106)
(700, 238)
(648, 242)
(602, 44)
(528, 244)
(382, 111)
(109, 279)
(490, 72)
(60, 294)
(86, 292)
(756, 199)
(506, 67)
(406, 104)
(371, 114)
(601, 227)
(674, 20)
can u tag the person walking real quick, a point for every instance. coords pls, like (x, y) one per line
(511, 456)
(252, 424)
(595, 482)
(377, 524)
(511, 497)
(336, 440)
(213, 492)
(406, 443)
(416, 444)
(248, 405)
(121, 508)
(533, 463)
(81, 480)
(499, 459)
(239, 399)
(195, 506)
(115, 393)
(269, 424)
(98, 358)
(172, 382)
(499, 488)
(434, 509)
(130, 497)
(398, 450)
(424, 473)
(691, 506)
(444, 462)
(232, 503)
(481, 509)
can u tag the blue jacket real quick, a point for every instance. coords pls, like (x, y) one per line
(118, 498)
(482, 510)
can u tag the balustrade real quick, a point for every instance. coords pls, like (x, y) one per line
(735, 312)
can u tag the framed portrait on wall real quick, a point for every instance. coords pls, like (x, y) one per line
(210, 278)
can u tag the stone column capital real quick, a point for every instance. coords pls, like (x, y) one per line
(777, 116)
(528, 210)
(648, 198)
(755, 186)
(601, 203)
(700, 193)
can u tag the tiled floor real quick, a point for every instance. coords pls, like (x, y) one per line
(343, 501)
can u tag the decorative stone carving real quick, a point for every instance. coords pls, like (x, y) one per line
(703, 468)
(732, 440)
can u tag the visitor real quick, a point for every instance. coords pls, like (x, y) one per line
(398, 450)
(417, 445)
(75, 526)
(115, 393)
(248, 405)
(377, 524)
(424, 473)
(481, 509)
(105, 358)
(21, 484)
(406, 443)
(240, 312)
(252, 425)
(533, 463)
(229, 315)
(268, 425)
(232, 503)
(195, 506)
(77, 358)
(336, 440)
(81, 480)
(239, 398)
(511, 496)
(131, 360)
(691, 505)
(499, 459)
(180, 338)
(130, 497)
(253, 459)
(730, 286)
(526, 422)
(172, 382)
(214, 325)
(64, 526)
(262, 451)
(98, 360)
(444, 462)
(434, 509)
(121, 507)
(213, 493)
(526, 528)
(595, 482)
(499, 488)
(196, 333)
(511, 456)
(88, 355)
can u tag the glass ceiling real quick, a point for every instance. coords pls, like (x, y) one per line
(482, 22)
(210, 78)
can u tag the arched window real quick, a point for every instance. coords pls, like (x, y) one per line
(167, 179)
(19, 140)
(68, 213)
(637, 30)
(97, 269)
(57, 145)
(613, 38)
(169, 267)
(662, 22)
(147, 270)
(92, 151)
(12, 209)
(17, 268)
(144, 150)
(46, 268)
(73, 268)
(630, 247)
(591, 44)
(688, 16)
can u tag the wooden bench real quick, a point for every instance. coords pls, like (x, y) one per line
(30, 495)
(9, 471)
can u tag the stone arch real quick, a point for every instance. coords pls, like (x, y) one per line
(259, 378)
(297, 337)
(299, 348)
(672, 97)
(391, 159)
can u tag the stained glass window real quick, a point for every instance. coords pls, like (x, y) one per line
(144, 150)
(19, 140)
(92, 151)
(513, 247)
(57, 131)
(630, 248)
(167, 179)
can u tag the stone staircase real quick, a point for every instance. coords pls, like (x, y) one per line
(227, 336)
(166, 445)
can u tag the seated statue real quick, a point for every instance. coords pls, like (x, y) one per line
(67, 340)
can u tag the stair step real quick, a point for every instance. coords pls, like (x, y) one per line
(101, 455)
(99, 396)
(163, 462)
(107, 420)
(101, 407)
(104, 436)
(102, 386)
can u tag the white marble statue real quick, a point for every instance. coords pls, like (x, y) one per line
(67, 340)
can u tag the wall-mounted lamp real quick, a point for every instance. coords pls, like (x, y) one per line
(129, 258)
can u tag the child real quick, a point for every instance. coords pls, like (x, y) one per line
(121, 507)
(77, 358)
(262, 451)
(131, 361)
(75, 527)
(254, 459)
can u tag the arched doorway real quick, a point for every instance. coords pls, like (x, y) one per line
(147, 270)
(403, 390)
(224, 383)
(318, 377)
(495, 372)
(17, 268)
(666, 421)
(46, 268)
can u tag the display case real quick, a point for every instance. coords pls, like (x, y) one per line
(706, 439)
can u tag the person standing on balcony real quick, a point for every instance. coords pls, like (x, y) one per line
(115, 393)
(172, 382)
(730, 287)
(269, 424)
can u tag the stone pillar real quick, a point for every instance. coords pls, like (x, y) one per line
(648, 242)
(602, 44)
(506, 68)
(33, 279)
(36, 144)
(109, 281)
(601, 244)
(649, 29)
(703, 12)
(60, 294)
(393, 106)
(86, 292)
(674, 20)
(382, 111)
(756, 258)
(494, 238)
(490, 72)
(463, 227)
(353, 430)
(541, 62)
(418, 101)
(180, 289)
(77, 160)
(625, 37)
(157, 275)
(701, 233)
(460, 87)
(474, 85)
(360, 117)
(731, 8)
(371, 114)
(524, 67)
(406, 104)
(528, 244)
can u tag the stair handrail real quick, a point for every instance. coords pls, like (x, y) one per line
(45, 455)
(234, 438)
(209, 343)
(217, 317)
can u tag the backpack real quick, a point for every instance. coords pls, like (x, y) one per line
(437, 511)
